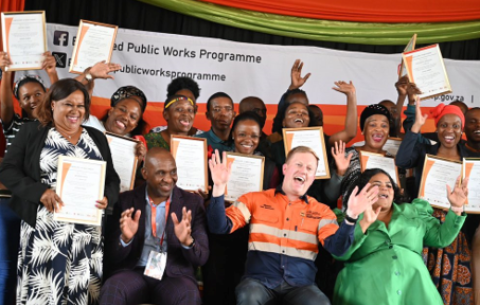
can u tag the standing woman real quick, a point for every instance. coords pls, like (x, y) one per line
(179, 112)
(449, 267)
(58, 262)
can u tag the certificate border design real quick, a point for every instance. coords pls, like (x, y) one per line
(135, 165)
(234, 154)
(474, 160)
(174, 137)
(322, 142)
(44, 25)
(101, 191)
(363, 153)
(75, 49)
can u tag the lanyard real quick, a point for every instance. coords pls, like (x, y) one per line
(154, 218)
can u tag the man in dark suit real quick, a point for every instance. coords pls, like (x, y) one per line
(140, 228)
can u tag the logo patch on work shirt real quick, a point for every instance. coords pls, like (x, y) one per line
(267, 207)
(314, 215)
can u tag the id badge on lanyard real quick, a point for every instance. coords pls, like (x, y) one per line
(157, 261)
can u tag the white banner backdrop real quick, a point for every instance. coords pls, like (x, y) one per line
(151, 60)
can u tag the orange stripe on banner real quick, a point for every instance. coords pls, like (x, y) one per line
(334, 116)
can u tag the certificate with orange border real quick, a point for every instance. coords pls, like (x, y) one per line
(80, 183)
(402, 70)
(437, 173)
(191, 157)
(313, 138)
(370, 160)
(425, 68)
(471, 169)
(24, 38)
(246, 176)
(94, 43)
(124, 159)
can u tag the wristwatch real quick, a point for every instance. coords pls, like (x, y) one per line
(88, 77)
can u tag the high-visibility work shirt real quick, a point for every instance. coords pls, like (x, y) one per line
(284, 234)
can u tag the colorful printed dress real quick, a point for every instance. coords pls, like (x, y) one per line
(59, 262)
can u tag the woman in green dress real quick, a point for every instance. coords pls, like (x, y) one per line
(384, 265)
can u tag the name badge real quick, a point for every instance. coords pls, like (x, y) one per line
(156, 265)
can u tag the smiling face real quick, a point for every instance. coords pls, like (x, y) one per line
(29, 96)
(296, 116)
(376, 131)
(246, 136)
(69, 113)
(160, 173)
(180, 117)
(449, 130)
(124, 117)
(386, 192)
(472, 125)
(299, 172)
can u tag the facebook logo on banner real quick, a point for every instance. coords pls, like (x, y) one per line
(60, 38)
(61, 59)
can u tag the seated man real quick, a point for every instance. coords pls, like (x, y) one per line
(285, 228)
(141, 229)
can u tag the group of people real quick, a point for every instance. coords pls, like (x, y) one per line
(264, 248)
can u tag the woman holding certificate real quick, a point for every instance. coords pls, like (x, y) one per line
(384, 265)
(59, 261)
(456, 258)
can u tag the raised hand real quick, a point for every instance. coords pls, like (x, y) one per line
(358, 203)
(458, 196)
(420, 118)
(369, 217)
(49, 64)
(412, 91)
(220, 171)
(183, 229)
(4, 61)
(402, 85)
(101, 70)
(296, 79)
(344, 87)
(129, 225)
(51, 200)
(342, 161)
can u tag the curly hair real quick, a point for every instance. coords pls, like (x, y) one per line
(181, 83)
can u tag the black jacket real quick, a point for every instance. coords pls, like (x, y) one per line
(20, 170)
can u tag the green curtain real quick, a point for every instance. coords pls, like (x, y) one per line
(334, 31)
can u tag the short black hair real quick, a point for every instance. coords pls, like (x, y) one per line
(278, 122)
(181, 83)
(217, 95)
(244, 116)
(295, 91)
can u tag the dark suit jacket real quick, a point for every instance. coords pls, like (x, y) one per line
(180, 261)
(20, 170)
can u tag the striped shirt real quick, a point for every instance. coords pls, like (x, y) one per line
(284, 234)
(10, 132)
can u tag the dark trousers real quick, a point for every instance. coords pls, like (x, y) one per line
(253, 292)
(131, 287)
(9, 240)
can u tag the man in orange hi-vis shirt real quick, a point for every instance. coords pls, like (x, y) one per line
(285, 228)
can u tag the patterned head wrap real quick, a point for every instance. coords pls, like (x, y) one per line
(177, 98)
(372, 110)
(27, 78)
(126, 92)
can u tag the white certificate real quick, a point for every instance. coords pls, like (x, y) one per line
(311, 137)
(191, 157)
(24, 39)
(124, 159)
(80, 183)
(94, 43)
(426, 69)
(391, 146)
(370, 160)
(437, 173)
(471, 169)
(246, 176)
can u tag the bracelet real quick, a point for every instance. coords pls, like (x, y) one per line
(350, 219)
